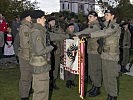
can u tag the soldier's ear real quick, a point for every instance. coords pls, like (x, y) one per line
(38, 20)
(113, 16)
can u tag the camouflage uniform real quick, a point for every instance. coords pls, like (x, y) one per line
(110, 55)
(38, 59)
(94, 59)
(23, 53)
(16, 45)
(69, 77)
(57, 36)
(125, 45)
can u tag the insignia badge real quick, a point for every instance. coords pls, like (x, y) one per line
(26, 34)
(38, 38)
(112, 26)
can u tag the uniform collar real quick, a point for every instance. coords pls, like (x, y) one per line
(26, 23)
(38, 26)
(94, 22)
(112, 22)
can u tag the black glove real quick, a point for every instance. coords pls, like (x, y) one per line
(100, 47)
(71, 36)
(126, 45)
(84, 35)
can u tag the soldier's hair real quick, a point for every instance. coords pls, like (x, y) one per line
(51, 18)
(70, 24)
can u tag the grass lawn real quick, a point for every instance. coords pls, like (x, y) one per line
(9, 78)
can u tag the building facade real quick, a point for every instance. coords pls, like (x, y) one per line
(83, 6)
(77, 6)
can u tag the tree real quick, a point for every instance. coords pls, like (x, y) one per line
(125, 10)
(12, 8)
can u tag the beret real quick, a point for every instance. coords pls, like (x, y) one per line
(51, 18)
(70, 24)
(93, 13)
(25, 14)
(38, 14)
(111, 11)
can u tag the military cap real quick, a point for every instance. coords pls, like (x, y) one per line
(25, 14)
(93, 13)
(51, 18)
(111, 11)
(70, 24)
(38, 14)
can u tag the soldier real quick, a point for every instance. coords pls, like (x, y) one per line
(94, 59)
(110, 54)
(62, 22)
(39, 57)
(125, 43)
(69, 77)
(57, 43)
(23, 53)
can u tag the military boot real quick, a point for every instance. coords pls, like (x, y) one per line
(26, 98)
(50, 85)
(94, 92)
(55, 86)
(73, 83)
(123, 69)
(111, 97)
(92, 89)
(68, 84)
(31, 90)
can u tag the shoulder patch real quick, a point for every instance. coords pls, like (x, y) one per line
(26, 34)
(38, 38)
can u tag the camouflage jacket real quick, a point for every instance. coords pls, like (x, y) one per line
(126, 41)
(111, 35)
(57, 35)
(92, 42)
(24, 32)
(38, 48)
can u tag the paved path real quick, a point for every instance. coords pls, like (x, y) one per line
(8, 62)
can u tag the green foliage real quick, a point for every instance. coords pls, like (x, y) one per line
(12, 8)
(125, 10)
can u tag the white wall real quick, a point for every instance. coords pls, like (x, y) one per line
(75, 7)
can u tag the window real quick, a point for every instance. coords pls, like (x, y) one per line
(63, 6)
(68, 6)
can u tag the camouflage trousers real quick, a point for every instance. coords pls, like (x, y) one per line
(41, 86)
(69, 76)
(95, 69)
(25, 78)
(57, 66)
(110, 75)
(125, 57)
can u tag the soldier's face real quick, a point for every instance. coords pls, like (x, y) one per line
(41, 20)
(28, 18)
(52, 23)
(108, 17)
(91, 18)
(71, 28)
